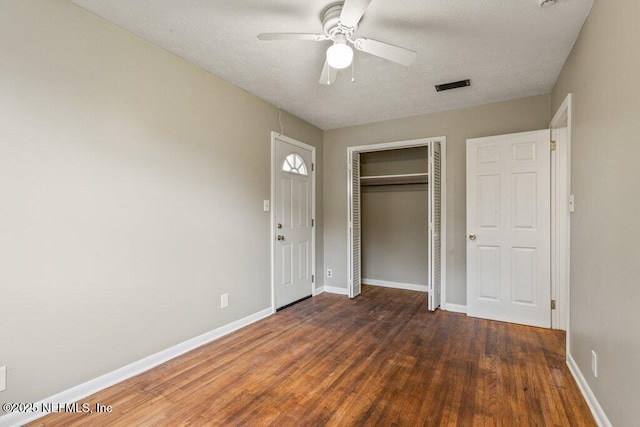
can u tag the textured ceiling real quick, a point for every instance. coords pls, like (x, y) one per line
(508, 48)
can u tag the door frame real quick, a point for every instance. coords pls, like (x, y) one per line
(411, 143)
(272, 224)
(560, 216)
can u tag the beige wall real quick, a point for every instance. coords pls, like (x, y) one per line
(395, 234)
(130, 180)
(131, 188)
(602, 74)
(394, 218)
(398, 161)
(493, 119)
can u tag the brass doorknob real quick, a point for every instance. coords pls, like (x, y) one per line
(279, 225)
(472, 237)
(280, 237)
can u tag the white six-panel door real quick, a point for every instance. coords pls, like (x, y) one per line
(293, 230)
(508, 228)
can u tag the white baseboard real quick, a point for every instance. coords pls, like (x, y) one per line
(335, 290)
(318, 291)
(594, 405)
(90, 387)
(456, 308)
(396, 285)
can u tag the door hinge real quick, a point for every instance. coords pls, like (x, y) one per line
(553, 304)
(553, 146)
(313, 222)
(313, 167)
(313, 278)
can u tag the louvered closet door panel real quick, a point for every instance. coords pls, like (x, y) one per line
(435, 193)
(356, 285)
(434, 213)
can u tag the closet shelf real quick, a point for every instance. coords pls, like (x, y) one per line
(408, 178)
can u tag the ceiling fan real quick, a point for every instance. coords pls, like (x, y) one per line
(340, 23)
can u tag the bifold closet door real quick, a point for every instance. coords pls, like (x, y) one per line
(435, 220)
(355, 230)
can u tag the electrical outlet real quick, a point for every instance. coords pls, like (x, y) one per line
(594, 363)
(224, 300)
(329, 272)
(3, 378)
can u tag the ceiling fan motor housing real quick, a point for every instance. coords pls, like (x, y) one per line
(331, 20)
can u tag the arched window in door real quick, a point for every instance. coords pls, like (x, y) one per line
(295, 164)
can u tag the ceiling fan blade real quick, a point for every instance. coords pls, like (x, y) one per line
(292, 36)
(352, 12)
(387, 51)
(329, 74)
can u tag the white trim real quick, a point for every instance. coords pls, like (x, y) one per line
(318, 291)
(396, 285)
(596, 410)
(95, 385)
(456, 308)
(336, 290)
(383, 146)
(272, 225)
(563, 114)
(272, 231)
(560, 239)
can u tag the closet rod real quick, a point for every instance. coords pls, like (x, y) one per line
(405, 179)
(392, 183)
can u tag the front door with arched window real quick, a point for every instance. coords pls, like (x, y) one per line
(293, 212)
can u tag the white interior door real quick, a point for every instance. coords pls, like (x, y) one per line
(435, 221)
(293, 210)
(508, 228)
(355, 229)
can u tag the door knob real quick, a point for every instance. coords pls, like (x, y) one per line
(280, 237)
(472, 237)
(279, 225)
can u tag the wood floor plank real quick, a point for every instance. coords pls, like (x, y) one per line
(380, 359)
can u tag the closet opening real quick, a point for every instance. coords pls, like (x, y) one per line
(396, 216)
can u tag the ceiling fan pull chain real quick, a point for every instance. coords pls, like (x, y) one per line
(353, 72)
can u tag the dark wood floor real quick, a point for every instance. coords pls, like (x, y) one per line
(381, 359)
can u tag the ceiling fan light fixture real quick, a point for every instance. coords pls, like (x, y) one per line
(339, 55)
(340, 23)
